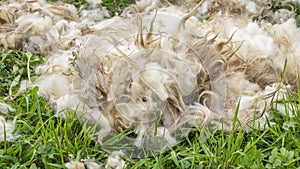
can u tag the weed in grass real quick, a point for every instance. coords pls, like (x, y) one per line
(116, 6)
(15, 66)
(76, 3)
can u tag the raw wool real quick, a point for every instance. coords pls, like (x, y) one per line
(91, 164)
(6, 130)
(84, 164)
(286, 37)
(257, 64)
(5, 108)
(285, 109)
(114, 161)
(255, 42)
(253, 9)
(282, 15)
(94, 3)
(147, 5)
(150, 62)
(133, 97)
(252, 108)
(75, 165)
(96, 12)
(41, 27)
(128, 109)
(7, 127)
(216, 7)
(262, 48)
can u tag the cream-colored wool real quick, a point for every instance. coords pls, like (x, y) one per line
(7, 127)
(5, 108)
(74, 165)
(253, 9)
(113, 162)
(156, 61)
(83, 164)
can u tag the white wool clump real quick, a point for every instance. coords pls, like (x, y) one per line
(147, 5)
(94, 2)
(114, 161)
(35, 23)
(59, 62)
(285, 109)
(75, 165)
(220, 7)
(95, 15)
(272, 42)
(95, 12)
(204, 8)
(153, 73)
(257, 103)
(71, 101)
(286, 37)
(91, 164)
(163, 132)
(251, 7)
(7, 127)
(242, 2)
(282, 15)
(237, 84)
(5, 108)
(74, 102)
(35, 27)
(256, 42)
(84, 164)
(54, 85)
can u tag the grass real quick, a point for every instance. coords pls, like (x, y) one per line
(47, 141)
(14, 66)
(116, 6)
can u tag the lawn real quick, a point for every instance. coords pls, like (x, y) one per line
(47, 141)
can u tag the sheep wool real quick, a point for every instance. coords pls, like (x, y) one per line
(7, 127)
(156, 69)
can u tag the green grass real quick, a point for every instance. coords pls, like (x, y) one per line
(47, 141)
(14, 66)
(116, 6)
(76, 3)
(113, 6)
